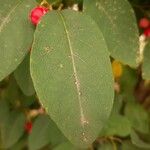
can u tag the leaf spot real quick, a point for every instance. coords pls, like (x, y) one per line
(61, 66)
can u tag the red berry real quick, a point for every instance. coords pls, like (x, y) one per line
(144, 23)
(147, 32)
(28, 127)
(37, 13)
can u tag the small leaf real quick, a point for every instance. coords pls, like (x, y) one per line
(19, 145)
(13, 129)
(117, 125)
(44, 132)
(137, 116)
(128, 82)
(127, 145)
(23, 77)
(139, 142)
(117, 22)
(72, 74)
(4, 112)
(118, 102)
(16, 33)
(146, 62)
(66, 146)
(106, 146)
(11, 93)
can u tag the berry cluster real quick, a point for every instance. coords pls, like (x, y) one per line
(145, 24)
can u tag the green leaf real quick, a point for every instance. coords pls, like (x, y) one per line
(128, 82)
(4, 112)
(44, 132)
(20, 145)
(117, 22)
(72, 2)
(106, 146)
(72, 75)
(137, 116)
(117, 125)
(23, 77)
(66, 146)
(16, 33)
(127, 145)
(13, 129)
(118, 103)
(11, 93)
(139, 142)
(50, 1)
(146, 62)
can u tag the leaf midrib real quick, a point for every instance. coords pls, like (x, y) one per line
(77, 82)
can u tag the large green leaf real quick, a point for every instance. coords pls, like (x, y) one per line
(46, 134)
(117, 22)
(146, 62)
(72, 74)
(23, 77)
(16, 33)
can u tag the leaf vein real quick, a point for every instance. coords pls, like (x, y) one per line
(7, 18)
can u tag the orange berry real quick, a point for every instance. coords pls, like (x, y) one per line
(117, 69)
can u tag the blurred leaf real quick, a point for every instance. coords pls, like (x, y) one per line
(70, 78)
(13, 129)
(117, 125)
(139, 142)
(50, 1)
(146, 62)
(106, 146)
(16, 33)
(128, 83)
(44, 132)
(23, 77)
(11, 93)
(137, 116)
(71, 2)
(127, 145)
(117, 22)
(4, 112)
(66, 146)
(20, 145)
(144, 136)
(27, 101)
(118, 103)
